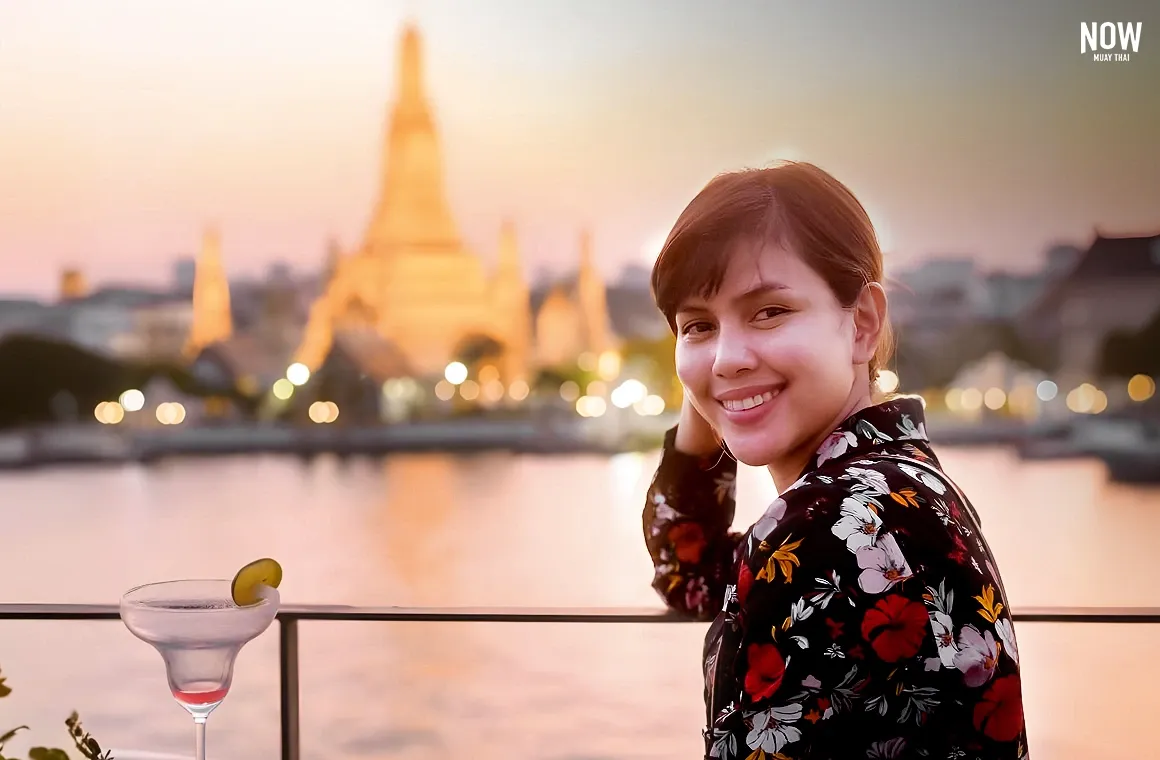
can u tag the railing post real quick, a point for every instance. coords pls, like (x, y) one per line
(288, 685)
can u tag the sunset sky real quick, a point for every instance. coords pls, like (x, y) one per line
(126, 126)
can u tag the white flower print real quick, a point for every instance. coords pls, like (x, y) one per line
(941, 602)
(926, 478)
(772, 729)
(978, 656)
(875, 435)
(724, 745)
(823, 594)
(868, 481)
(664, 513)
(1006, 634)
(835, 445)
(883, 565)
(940, 509)
(943, 629)
(764, 526)
(799, 612)
(909, 431)
(858, 525)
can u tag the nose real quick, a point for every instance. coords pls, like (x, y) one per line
(734, 354)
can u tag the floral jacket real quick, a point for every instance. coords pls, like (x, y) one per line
(861, 617)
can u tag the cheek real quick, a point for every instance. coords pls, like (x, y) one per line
(694, 364)
(807, 351)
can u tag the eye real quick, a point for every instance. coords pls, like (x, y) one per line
(696, 328)
(770, 312)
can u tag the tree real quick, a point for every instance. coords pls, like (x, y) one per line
(36, 373)
(1126, 353)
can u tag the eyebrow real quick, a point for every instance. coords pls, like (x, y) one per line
(760, 289)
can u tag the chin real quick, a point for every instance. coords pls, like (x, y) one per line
(754, 452)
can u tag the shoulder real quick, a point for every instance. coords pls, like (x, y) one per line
(880, 518)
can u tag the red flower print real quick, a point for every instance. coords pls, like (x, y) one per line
(764, 671)
(744, 583)
(895, 627)
(959, 555)
(999, 714)
(688, 540)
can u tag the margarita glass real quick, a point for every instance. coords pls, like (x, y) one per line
(198, 629)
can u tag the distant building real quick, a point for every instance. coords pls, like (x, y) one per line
(121, 322)
(134, 323)
(184, 274)
(22, 315)
(1008, 294)
(1114, 285)
(938, 295)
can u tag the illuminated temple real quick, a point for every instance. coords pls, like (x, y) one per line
(413, 287)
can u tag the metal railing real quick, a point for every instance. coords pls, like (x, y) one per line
(290, 615)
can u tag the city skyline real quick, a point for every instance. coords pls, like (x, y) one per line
(994, 142)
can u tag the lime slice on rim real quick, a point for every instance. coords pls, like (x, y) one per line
(250, 579)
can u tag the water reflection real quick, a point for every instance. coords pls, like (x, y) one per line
(503, 530)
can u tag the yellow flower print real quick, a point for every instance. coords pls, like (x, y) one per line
(905, 496)
(759, 754)
(784, 558)
(990, 608)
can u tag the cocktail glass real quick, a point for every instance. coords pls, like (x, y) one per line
(199, 630)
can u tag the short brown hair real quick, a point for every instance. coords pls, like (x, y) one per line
(795, 204)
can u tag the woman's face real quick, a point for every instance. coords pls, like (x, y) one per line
(772, 360)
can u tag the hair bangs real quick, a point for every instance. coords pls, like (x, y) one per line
(695, 257)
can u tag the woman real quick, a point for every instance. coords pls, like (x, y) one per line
(863, 615)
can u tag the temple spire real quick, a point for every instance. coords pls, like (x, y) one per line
(509, 253)
(593, 299)
(412, 210)
(212, 320)
(411, 68)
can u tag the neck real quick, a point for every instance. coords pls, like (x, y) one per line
(787, 470)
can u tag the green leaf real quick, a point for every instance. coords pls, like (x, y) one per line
(4, 690)
(6, 737)
(46, 753)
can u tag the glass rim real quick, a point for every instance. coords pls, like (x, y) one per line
(141, 603)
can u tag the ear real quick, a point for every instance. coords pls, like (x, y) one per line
(869, 321)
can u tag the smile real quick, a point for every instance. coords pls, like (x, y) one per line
(743, 404)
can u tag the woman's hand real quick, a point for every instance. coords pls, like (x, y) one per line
(695, 435)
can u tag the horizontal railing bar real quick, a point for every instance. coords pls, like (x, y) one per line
(339, 613)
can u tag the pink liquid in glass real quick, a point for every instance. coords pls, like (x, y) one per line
(207, 697)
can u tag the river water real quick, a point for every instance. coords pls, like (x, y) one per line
(504, 530)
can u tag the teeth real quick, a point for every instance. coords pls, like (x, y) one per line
(740, 405)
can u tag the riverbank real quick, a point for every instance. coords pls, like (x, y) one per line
(1129, 448)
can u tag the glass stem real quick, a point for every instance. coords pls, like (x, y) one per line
(199, 736)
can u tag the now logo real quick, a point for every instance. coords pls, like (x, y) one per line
(1110, 41)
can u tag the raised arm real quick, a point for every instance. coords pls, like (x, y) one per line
(687, 517)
